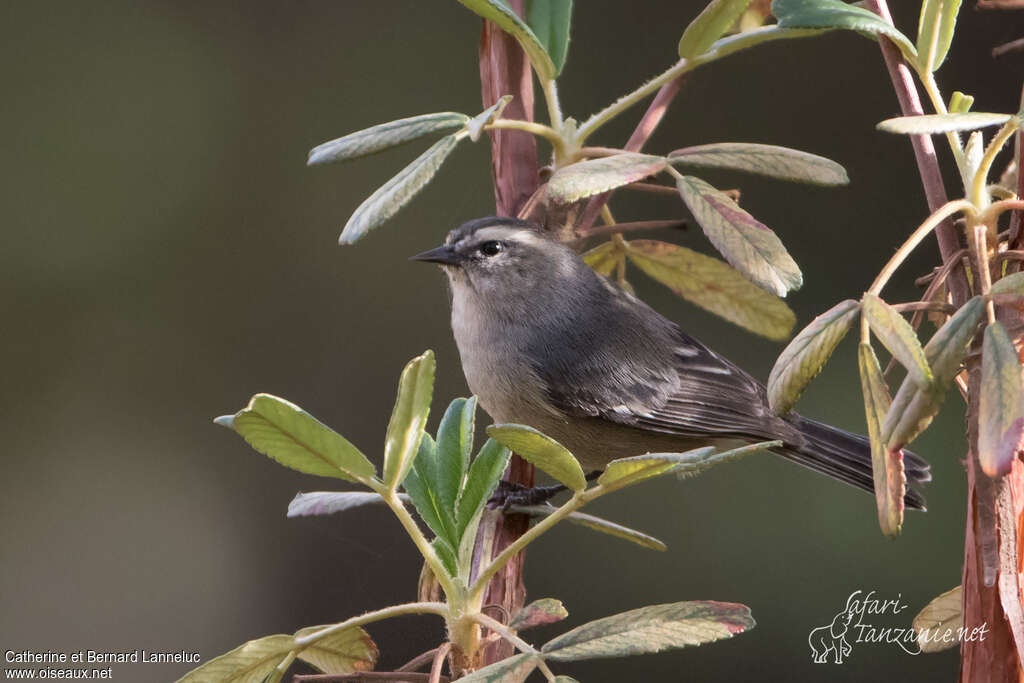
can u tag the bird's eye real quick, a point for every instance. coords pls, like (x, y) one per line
(492, 248)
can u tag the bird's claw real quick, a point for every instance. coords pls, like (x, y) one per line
(509, 493)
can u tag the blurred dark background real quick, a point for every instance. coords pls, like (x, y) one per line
(167, 254)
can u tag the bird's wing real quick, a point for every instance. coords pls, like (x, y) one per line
(712, 396)
(643, 371)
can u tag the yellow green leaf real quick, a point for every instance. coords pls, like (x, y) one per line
(713, 21)
(887, 466)
(408, 418)
(749, 245)
(344, 652)
(805, 356)
(651, 629)
(286, 433)
(913, 408)
(714, 286)
(248, 663)
(541, 450)
(899, 337)
(604, 258)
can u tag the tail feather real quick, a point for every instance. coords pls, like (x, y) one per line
(847, 457)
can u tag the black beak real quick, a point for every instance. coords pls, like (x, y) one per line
(445, 255)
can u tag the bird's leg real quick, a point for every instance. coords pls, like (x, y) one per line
(508, 494)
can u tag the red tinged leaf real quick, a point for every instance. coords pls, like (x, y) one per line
(1001, 404)
(886, 464)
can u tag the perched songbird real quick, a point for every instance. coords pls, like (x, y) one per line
(547, 342)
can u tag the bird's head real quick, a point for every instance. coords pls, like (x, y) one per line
(497, 256)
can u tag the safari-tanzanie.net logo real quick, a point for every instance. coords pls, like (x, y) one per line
(872, 619)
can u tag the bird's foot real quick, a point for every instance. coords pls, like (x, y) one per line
(508, 494)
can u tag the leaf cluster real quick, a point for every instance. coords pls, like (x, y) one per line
(449, 489)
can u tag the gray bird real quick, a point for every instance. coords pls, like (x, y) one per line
(547, 342)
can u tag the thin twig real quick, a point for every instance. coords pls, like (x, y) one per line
(1013, 254)
(419, 660)
(1012, 46)
(435, 668)
(653, 188)
(925, 306)
(591, 152)
(678, 224)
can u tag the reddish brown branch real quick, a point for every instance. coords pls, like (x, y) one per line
(504, 70)
(924, 153)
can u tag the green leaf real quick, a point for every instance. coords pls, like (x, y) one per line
(766, 160)
(454, 449)
(329, 502)
(887, 465)
(447, 555)
(343, 652)
(1001, 404)
(742, 41)
(835, 14)
(248, 663)
(408, 418)
(960, 103)
(913, 408)
(541, 450)
(514, 669)
(594, 176)
(935, 32)
(476, 125)
(928, 124)
(397, 192)
(1009, 284)
(551, 21)
(714, 286)
(628, 471)
(604, 258)
(937, 624)
(713, 21)
(651, 629)
(749, 245)
(483, 477)
(805, 356)
(421, 483)
(974, 152)
(565, 679)
(595, 524)
(285, 432)
(538, 613)
(502, 15)
(384, 136)
(898, 337)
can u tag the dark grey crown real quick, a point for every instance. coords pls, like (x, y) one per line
(468, 228)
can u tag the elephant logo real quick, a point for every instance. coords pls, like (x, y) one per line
(831, 639)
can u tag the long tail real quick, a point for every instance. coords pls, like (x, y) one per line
(847, 457)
